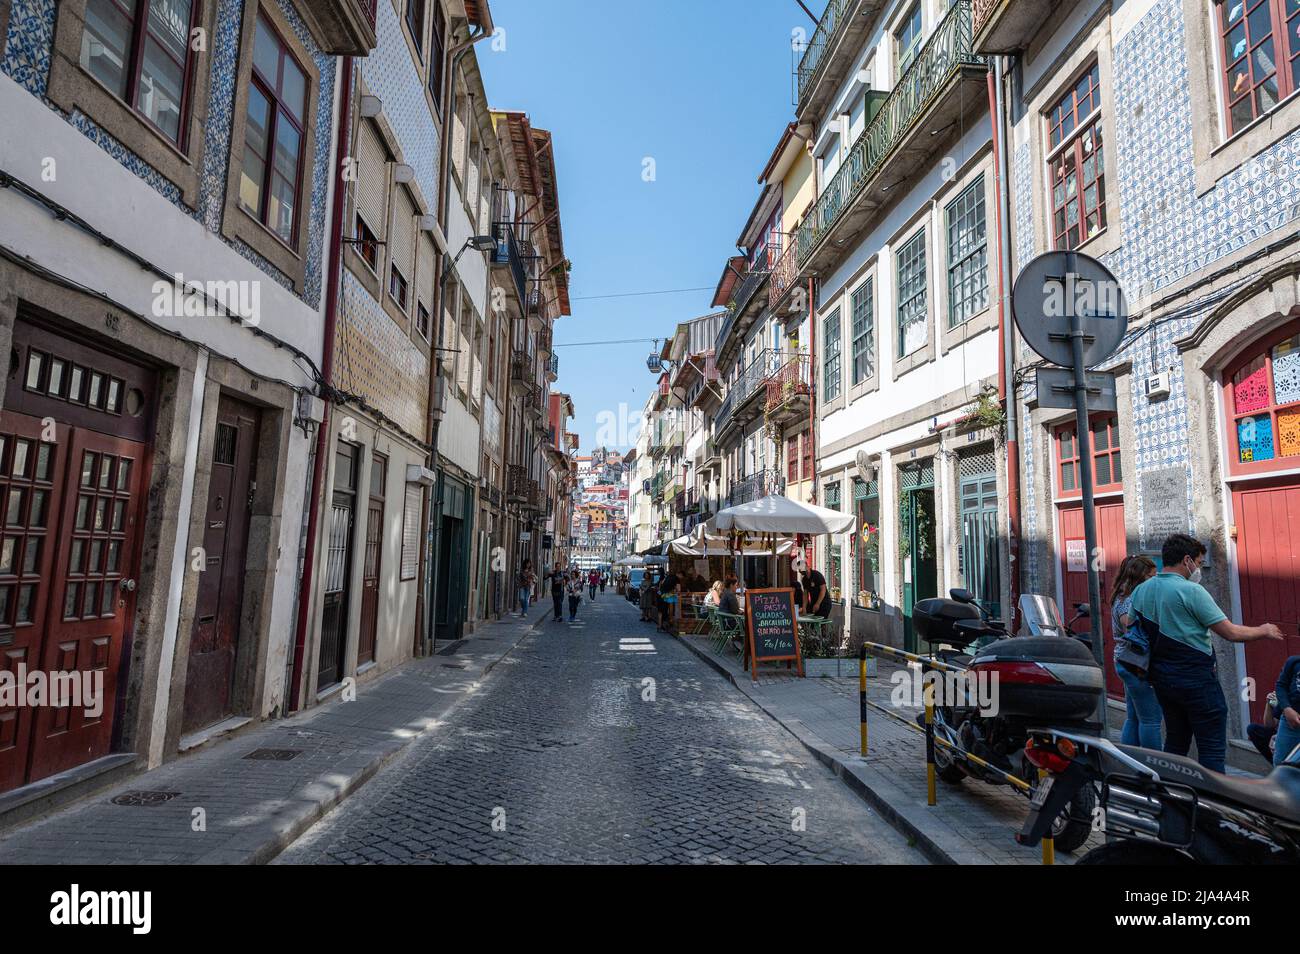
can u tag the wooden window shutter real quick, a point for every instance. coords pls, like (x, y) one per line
(425, 280)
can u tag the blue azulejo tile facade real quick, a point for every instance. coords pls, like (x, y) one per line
(28, 51)
(1167, 233)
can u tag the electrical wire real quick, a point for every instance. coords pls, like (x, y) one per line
(641, 294)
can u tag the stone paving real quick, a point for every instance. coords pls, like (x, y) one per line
(252, 808)
(604, 741)
(971, 822)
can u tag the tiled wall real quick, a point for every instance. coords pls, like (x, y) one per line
(27, 61)
(376, 357)
(1167, 232)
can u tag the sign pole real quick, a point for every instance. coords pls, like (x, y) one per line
(1083, 438)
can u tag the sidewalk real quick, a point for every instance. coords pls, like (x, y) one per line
(253, 806)
(972, 823)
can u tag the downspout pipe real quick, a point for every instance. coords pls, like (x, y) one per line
(424, 628)
(1006, 337)
(307, 583)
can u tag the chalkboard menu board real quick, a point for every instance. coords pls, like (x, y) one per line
(771, 628)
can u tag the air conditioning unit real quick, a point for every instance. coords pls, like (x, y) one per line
(1157, 386)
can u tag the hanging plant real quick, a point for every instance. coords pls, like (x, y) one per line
(986, 412)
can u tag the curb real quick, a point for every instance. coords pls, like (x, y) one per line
(267, 851)
(873, 789)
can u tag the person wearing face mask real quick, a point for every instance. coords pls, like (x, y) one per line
(1182, 667)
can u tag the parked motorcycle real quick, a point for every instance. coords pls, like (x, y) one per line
(1162, 809)
(1047, 676)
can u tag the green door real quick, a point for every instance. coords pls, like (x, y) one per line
(916, 541)
(977, 558)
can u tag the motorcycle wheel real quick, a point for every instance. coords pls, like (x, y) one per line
(1133, 853)
(946, 765)
(1072, 827)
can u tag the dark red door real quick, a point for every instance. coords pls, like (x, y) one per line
(1268, 570)
(31, 483)
(1074, 571)
(214, 639)
(370, 561)
(93, 595)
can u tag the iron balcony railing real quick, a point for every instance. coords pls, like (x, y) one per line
(509, 253)
(755, 274)
(980, 10)
(784, 272)
(516, 483)
(790, 380)
(544, 339)
(756, 485)
(946, 51)
(553, 366)
(814, 55)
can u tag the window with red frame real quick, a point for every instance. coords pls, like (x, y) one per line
(1262, 396)
(1106, 469)
(792, 460)
(271, 175)
(1260, 45)
(140, 50)
(805, 443)
(1075, 171)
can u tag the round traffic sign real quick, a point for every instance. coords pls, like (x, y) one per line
(1054, 287)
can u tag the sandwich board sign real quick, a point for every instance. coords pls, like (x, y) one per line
(771, 628)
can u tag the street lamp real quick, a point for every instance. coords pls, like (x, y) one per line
(479, 243)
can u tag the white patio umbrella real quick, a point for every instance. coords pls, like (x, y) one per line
(779, 514)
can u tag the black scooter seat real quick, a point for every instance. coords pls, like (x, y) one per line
(1278, 793)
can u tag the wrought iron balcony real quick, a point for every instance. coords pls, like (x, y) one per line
(788, 389)
(553, 366)
(509, 253)
(521, 368)
(785, 274)
(346, 27)
(756, 485)
(516, 483)
(814, 54)
(1006, 26)
(922, 92)
(544, 339)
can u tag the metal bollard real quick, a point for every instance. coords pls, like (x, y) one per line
(1049, 845)
(928, 695)
(862, 695)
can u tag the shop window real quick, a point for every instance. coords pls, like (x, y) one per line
(866, 504)
(1262, 398)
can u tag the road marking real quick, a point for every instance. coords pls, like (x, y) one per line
(636, 644)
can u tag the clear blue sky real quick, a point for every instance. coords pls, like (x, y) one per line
(704, 88)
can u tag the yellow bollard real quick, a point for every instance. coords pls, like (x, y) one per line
(862, 695)
(928, 696)
(1049, 846)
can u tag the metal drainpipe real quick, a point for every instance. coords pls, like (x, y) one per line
(306, 583)
(1006, 341)
(432, 506)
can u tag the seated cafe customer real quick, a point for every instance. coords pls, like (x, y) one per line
(728, 602)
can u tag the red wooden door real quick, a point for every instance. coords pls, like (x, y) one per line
(1268, 570)
(1074, 571)
(214, 638)
(94, 594)
(31, 483)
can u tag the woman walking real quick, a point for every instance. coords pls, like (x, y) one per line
(575, 594)
(1142, 710)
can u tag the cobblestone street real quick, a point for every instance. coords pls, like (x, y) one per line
(603, 741)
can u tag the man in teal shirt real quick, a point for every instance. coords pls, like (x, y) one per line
(1182, 668)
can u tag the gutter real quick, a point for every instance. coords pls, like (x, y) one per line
(307, 581)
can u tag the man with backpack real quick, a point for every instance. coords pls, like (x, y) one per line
(1182, 666)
